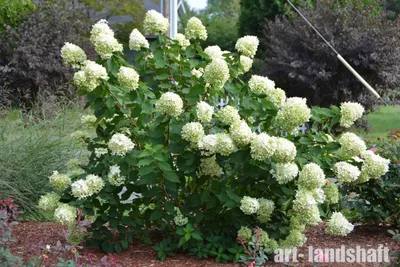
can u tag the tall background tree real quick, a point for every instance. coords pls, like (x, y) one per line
(221, 19)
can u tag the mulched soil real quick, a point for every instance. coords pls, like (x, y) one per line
(32, 238)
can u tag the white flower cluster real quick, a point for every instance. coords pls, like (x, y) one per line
(374, 166)
(216, 73)
(208, 145)
(155, 23)
(49, 202)
(214, 52)
(345, 172)
(204, 112)
(350, 112)
(331, 193)
(285, 150)
(100, 151)
(352, 145)
(262, 146)
(338, 225)
(310, 218)
(80, 189)
(88, 120)
(195, 29)
(285, 172)
(120, 144)
(304, 201)
(65, 214)
(170, 104)
(197, 72)
(179, 219)
(296, 222)
(103, 39)
(293, 114)
(209, 167)
(295, 239)
(261, 85)
(182, 41)
(245, 63)
(264, 238)
(85, 188)
(73, 55)
(245, 233)
(137, 40)
(247, 45)
(95, 183)
(228, 115)
(114, 176)
(249, 205)
(266, 207)
(79, 135)
(225, 145)
(90, 76)
(319, 195)
(192, 132)
(311, 177)
(128, 78)
(240, 133)
(277, 97)
(59, 181)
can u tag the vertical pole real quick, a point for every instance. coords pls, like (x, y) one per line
(173, 29)
(166, 12)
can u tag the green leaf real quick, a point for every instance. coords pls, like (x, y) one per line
(107, 247)
(287, 191)
(305, 141)
(187, 236)
(147, 179)
(332, 146)
(182, 241)
(171, 176)
(196, 236)
(164, 166)
(169, 207)
(190, 51)
(162, 76)
(145, 162)
(118, 248)
(166, 85)
(155, 215)
(145, 153)
(146, 170)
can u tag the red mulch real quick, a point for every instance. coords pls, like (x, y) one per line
(34, 236)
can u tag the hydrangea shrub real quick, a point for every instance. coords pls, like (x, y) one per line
(201, 174)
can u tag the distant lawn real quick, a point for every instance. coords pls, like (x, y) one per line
(384, 118)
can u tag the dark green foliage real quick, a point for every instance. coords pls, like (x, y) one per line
(303, 65)
(30, 60)
(253, 14)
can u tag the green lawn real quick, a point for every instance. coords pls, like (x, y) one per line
(383, 119)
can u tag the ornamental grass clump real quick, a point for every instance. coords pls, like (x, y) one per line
(168, 156)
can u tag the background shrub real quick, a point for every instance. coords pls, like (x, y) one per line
(303, 65)
(30, 59)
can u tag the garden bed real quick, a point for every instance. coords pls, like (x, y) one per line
(32, 237)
